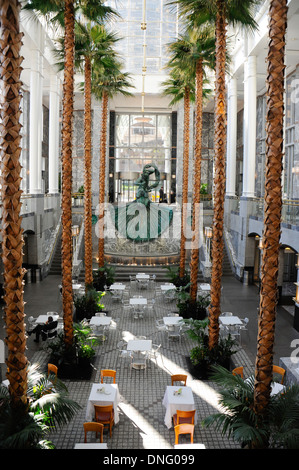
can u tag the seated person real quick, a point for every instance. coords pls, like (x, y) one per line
(45, 330)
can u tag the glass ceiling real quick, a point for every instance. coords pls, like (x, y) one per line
(161, 28)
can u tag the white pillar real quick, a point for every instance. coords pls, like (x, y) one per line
(53, 134)
(231, 138)
(36, 122)
(249, 130)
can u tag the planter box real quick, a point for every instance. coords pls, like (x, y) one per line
(81, 370)
(202, 371)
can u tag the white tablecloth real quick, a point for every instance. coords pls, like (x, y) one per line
(189, 446)
(142, 276)
(277, 388)
(168, 321)
(110, 397)
(76, 286)
(117, 287)
(139, 345)
(41, 319)
(166, 287)
(172, 403)
(205, 287)
(138, 301)
(91, 445)
(99, 321)
(227, 321)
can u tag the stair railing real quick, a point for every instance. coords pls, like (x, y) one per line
(57, 230)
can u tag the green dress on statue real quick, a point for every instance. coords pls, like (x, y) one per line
(141, 220)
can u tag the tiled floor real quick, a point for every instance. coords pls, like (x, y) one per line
(141, 424)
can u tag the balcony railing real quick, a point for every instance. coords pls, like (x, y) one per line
(289, 211)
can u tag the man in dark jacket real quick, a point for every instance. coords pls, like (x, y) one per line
(47, 330)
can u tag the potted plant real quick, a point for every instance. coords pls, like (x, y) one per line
(87, 305)
(103, 277)
(188, 309)
(76, 361)
(278, 428)
(201, 359)
(174, 277)
(48, 408)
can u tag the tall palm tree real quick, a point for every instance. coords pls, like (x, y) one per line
(64, 13)
(180, 85)
(272, 202)
(107, 81)
(12, 233)
(93, 46)
(196, 49)
(219, 12)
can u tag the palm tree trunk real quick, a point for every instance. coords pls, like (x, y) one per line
(67, 134)
(12, 233)
(101, 244)
(219, 179)
(185, 181)
(272, 203)
(87, 175)
(196, 183)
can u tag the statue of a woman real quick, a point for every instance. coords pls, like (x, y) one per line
(141, 220)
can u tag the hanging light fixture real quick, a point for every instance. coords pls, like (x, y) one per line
(143, 27)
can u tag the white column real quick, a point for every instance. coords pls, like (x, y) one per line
(249, 130)
(53, 134)
(36, 121)
(231, 138)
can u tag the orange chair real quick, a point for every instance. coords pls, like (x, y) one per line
(280, 371)
(181, 417)
(108, 373)
(184, 429)
(104, 415)
(93, 427)
(52, 369)
(238, 371)
(179, 378)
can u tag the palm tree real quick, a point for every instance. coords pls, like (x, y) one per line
(272, 203)
(12, 233)
(180, 85)
(196, 49)
(92, 47)
(107, 81)
(64, 12)
(219, 12)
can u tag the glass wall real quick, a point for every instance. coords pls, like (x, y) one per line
(141, 139)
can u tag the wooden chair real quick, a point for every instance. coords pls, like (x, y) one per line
(93, 427)
(104, 415)
(179, 378)
(52, 369)
(184, 429)
(280, 371)
(108, 373)
(182, 417)
(238, 371)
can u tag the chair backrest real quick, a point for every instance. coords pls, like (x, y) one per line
(93, 427)
(179, 378)
(108, 373)
(52, 369)
(186, 414)
(99, 410)
(227, 314)
(238, 371)
(185, 428)
(279, 370)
